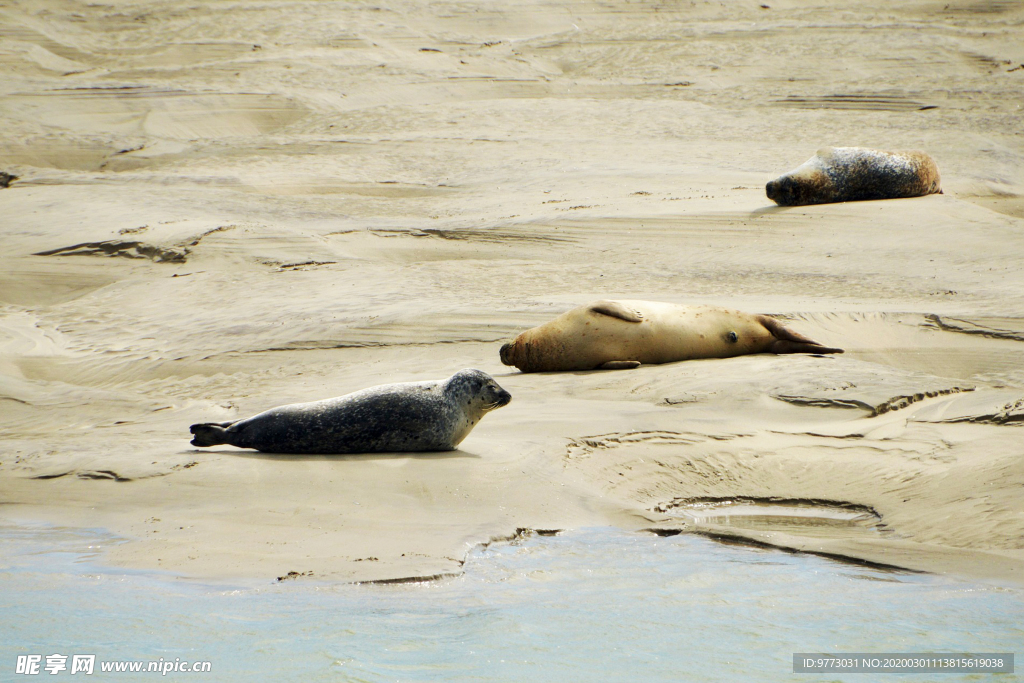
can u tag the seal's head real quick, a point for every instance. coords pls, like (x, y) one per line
(524, 351)
(507, 353)
(800, 187)
(477, 389)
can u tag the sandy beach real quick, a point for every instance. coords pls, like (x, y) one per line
(223, 208)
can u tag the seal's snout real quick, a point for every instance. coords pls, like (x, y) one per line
(799, 189)
(781, 191)
(504, 398)
(506, 353)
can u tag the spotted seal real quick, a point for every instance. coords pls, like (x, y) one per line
(408, 416)
(624, 334)
(847, 174)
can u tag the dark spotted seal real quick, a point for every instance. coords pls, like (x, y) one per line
(409, 416)
(847, 174)
(623, 334)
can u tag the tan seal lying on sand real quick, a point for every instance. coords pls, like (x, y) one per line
(410, 416)
(624, 334)
(847, 174)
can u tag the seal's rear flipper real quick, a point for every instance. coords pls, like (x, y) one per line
(209, 433)
(801, 347)
(619, 365)
(790, 341)
(616, 309)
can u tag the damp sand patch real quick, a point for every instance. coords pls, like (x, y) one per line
(866, 386)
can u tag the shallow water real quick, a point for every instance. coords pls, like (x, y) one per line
(805, 518)
(589, 605)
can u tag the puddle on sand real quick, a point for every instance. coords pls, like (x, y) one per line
(803, 517)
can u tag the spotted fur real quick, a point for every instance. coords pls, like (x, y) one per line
(410, 416)
(846, 174)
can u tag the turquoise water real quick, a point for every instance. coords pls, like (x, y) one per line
(590, 605)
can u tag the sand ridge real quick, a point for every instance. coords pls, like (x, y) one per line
(225, 208)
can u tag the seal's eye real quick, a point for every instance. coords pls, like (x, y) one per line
(732, 337)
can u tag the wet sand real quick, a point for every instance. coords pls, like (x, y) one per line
(225, 208)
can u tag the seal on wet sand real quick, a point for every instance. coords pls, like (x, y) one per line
(408, 416)
(623, 334)
(847, 174)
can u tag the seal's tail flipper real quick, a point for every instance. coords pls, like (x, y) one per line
(802, 347)
(210, 433)
(789, 341)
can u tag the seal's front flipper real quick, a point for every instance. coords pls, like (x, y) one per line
(619, 365)
(616, 309)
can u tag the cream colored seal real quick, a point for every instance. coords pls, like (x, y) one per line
(624, 334)
(847, 174)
